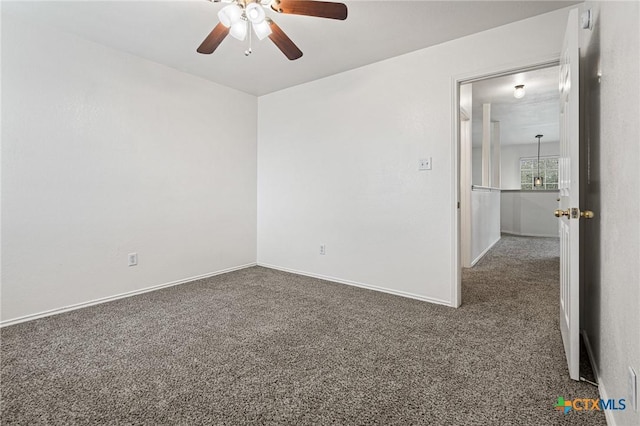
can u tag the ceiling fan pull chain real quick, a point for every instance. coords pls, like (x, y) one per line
(249, 51)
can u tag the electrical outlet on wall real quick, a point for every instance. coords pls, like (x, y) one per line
(424, 163)
(133, 259)
(323, 249)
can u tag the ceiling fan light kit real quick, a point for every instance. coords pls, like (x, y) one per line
(235, 18)
(262, 30)
(230, 14)
(255, 13)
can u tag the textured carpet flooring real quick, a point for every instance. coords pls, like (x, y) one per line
(259, 346)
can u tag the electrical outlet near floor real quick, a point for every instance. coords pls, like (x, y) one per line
(323, 249)
(633, 388)
(133, 259)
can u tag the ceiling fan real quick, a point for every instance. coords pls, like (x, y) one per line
(236, 17)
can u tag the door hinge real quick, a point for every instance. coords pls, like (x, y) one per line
(458, 204)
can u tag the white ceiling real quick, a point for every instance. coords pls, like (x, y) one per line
(520, 119)
(168, 32)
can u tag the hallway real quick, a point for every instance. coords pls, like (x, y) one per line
(514, 270)
(517, 283)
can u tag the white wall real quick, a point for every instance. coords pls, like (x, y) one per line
(485, 222)
(611, 274)
(529, 213)
(476, 166)
(511, 155)
(104, 154)
(338, 163)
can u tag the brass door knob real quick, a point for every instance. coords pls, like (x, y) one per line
(587, 214)
(560, 213)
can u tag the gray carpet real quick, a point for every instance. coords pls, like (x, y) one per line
(259, 346)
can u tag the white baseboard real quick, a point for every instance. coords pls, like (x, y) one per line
(81, 305)
(359, 284)
(587, 344)
(521, 234)
(608, 414)
(485, 251)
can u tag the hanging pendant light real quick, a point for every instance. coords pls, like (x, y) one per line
(537, 180)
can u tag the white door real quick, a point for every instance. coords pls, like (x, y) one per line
(568, 184)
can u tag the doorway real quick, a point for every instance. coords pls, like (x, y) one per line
(498, 155)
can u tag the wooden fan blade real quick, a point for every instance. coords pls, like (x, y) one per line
(284, 43)
(321, 9)
(214, 39)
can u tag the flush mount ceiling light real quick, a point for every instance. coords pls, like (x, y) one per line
(236, 17)
(518, 91)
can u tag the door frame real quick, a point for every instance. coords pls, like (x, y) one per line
(457, 207)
